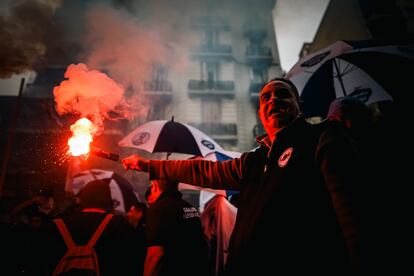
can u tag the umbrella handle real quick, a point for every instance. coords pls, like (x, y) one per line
(104, 154)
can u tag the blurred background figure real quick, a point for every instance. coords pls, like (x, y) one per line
(380, 189)
(137, 216)
(218, 217)
(174, 233)
(35, 210)
(28, 218)
(353, 114)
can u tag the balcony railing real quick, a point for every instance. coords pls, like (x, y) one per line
(211, 88)
(213, 50)
(158, 86)
(259, 54)
(208, 22)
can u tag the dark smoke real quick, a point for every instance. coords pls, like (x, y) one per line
(23, 32)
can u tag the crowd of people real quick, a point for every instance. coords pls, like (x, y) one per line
(312, 198)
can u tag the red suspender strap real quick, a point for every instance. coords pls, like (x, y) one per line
(65, 233)
(100, 229)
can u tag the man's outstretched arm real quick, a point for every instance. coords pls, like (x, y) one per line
(208, 174)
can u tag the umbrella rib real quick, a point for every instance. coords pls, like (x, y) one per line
(93, 175)
(339, 77)
(348, 68)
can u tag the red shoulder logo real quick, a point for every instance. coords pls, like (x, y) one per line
(285, 157)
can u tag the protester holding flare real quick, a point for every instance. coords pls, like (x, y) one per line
(299, 207)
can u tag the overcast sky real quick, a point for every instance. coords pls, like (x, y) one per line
(296, 22)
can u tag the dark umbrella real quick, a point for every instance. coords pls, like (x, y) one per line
(122, 191)
(170, 137)
(365, 70)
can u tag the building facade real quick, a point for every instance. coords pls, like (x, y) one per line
(232, 54)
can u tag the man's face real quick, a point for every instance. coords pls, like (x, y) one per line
(278, 106)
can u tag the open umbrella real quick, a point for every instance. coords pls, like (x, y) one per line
(122, 191)
(366, 70)
(170, 137)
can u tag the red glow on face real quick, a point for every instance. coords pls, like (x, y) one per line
(82, 131)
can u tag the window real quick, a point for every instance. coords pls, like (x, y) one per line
(211, 111)
(259, 75)
(210, 71)
(159, 73)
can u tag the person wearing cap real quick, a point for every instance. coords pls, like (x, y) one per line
(174, 234)
(296, 211)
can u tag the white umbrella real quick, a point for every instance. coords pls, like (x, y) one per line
(122, 191)
(170, 137)
(363, 69)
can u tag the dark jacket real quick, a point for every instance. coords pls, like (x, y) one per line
(296, 211)
(175, 225)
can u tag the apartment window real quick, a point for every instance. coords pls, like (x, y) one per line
(211, 37)
(159, 73)
(259, 75)
(211, 111)
(209, 71)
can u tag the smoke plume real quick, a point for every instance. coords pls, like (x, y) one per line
(90, 94)
(126, 48)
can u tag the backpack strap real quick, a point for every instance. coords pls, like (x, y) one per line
(65, 233)
(100, 229)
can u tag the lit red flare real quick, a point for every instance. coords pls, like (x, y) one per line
(83, 131)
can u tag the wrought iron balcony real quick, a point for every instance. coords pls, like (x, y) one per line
(158, 86)
(259, 54)
(211, 88)
(213, 50)
(209, 23)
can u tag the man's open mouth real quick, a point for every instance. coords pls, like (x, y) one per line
(277, 110)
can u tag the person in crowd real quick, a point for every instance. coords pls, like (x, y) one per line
(299, 207)
(137, 216)
(175, 240)
(218, 217)
(28, 217)
(36, 210)
(116, 248)
(382, 212)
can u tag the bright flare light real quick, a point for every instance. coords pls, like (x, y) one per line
(82, 131)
